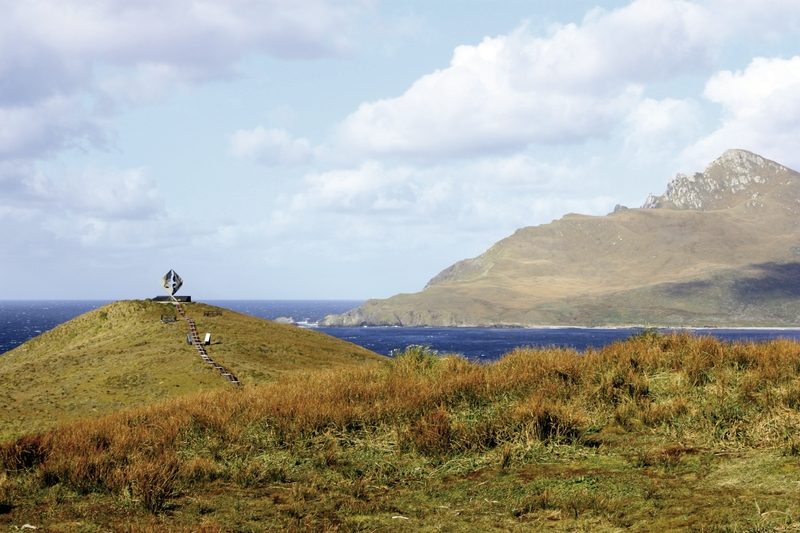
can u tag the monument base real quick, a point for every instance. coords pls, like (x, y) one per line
(167, 299)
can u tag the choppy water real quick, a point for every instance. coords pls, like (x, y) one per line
(21, 320)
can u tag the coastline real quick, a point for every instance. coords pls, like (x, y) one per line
(549, 327)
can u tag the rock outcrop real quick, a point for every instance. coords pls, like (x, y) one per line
(737, 177)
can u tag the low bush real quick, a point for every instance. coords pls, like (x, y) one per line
(154, 481)
(24, 453)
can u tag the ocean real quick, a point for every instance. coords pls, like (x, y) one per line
(22, 320)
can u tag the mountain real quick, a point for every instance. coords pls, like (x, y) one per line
(123, 355)
(718, 248)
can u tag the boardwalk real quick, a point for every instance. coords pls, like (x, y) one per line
(201, 350)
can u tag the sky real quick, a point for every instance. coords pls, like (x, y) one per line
(352, 149)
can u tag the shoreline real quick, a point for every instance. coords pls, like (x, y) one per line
(608, 328)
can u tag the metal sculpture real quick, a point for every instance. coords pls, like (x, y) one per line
(172, 282)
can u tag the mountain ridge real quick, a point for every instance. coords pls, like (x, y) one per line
(712, 229)
(736, 176)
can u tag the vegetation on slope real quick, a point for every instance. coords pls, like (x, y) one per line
(658, 432)
(122, 355)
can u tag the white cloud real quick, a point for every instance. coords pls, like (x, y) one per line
(270, 146)
(657, 128)
(763, 90)
(64, 62)
(369, 188)
(206, 36)
(761, 111)
(516, 89)
(83, 208)
(112, 195)
(66, 66)
(116, 236)
(31, 130)
(127, 194)
(480, 195)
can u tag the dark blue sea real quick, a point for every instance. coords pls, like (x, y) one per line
(21, 320)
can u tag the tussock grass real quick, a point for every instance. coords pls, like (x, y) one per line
(643, 433)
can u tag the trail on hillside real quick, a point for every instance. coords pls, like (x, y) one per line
(201, 350)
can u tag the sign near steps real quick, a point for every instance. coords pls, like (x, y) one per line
(193, 338)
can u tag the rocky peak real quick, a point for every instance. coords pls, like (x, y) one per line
(743, 164)
(736, 177)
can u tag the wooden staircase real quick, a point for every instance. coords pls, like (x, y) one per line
(201, 350)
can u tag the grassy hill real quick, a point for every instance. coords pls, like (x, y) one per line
(122, 355)
(654, 433)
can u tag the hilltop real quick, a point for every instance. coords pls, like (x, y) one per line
(122, 355)
(658, 433)
(719, 248)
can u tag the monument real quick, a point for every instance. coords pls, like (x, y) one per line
(172, 282)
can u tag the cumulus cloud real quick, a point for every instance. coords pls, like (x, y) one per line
(516, 89)
(661, 127)
(479, 195)
(126, 194)
(761, 111)
(271, 146)
(79, 207)
(371, 187)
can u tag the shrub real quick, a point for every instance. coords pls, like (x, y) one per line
(666, 412)
(200, 469)
(83, 472)
(728, 417)
(154, 482)
(791, 397)
(415, 359)
(622, 383)
(432, 433)
(549, 421)
(24, 453)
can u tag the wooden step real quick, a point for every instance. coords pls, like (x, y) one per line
(201, 351)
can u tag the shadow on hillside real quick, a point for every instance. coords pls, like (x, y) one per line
(687, 288)
(775, 279)
(770, 281)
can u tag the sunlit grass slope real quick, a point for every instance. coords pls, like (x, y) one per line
(658, 433)
(122, 355)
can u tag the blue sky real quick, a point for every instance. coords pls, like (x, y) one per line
(354, 148)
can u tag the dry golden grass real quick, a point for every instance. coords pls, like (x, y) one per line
(654, 432)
